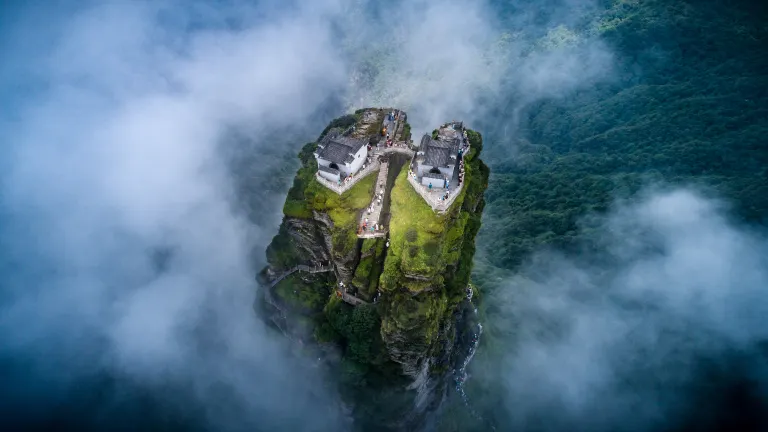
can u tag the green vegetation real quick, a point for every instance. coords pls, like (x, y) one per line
(369, 269)
(343, 210)
(686, 105)
(302, 294)
(421, 276)
(359, 328)
(317, 211)
(689, 106)
(423, 242)
(296, 204)
(282, 252)
(307, 196)
(411, 214)
(406, 134)
(342, 122)
(429, 261)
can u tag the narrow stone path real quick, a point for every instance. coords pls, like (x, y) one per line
(373, 212)
(346, 297)
(349, 298)
(398, 147)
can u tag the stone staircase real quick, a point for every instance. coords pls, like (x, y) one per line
(373, 217)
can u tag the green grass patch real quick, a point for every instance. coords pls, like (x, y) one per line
(369, 246)
(344, 209)
(363, 273)
(415, 233)
(296, 209)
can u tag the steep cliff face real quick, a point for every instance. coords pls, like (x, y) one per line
(311, 242)
(414, 281)
(426, 272)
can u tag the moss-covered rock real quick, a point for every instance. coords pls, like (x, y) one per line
(428, 265)
(413, 281)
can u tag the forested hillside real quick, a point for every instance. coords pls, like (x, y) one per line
(687, 104)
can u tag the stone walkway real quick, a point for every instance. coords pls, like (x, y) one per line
(375, 234)
(349, 298)
(399, 147)
(373, 216)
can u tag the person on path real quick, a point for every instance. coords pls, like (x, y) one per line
(445, 183)
(430, 185)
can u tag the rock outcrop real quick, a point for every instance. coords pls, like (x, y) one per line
(414, 281)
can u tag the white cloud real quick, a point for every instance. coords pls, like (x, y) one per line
(115, 149)
(604, 339)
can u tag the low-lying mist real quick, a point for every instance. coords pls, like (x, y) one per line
(128, 237)
(661, 323)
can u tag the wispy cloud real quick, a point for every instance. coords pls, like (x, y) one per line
(119, 159)
(629, 339)
(125, 246)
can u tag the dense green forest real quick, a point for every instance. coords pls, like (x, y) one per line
(688, 104)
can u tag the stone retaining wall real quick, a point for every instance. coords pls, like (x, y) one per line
(433, 197)
(340, 189)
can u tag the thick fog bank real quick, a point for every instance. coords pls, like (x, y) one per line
(128, 277)
(661, 325)
(144, 164)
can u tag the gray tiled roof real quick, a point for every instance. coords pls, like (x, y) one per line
(332, 134)
(436, 156)
(438, 153)
(339, 149)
